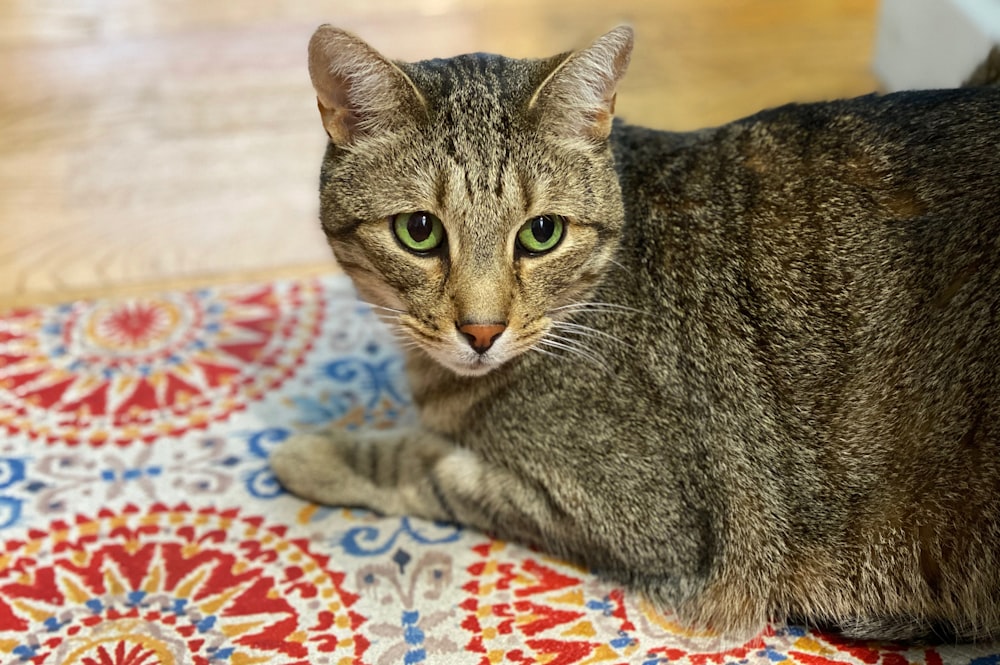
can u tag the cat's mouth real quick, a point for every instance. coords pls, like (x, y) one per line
(459, 357)
(466, 362)
(462, 364)
(478, 367)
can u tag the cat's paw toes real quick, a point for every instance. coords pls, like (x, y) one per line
(307, 465)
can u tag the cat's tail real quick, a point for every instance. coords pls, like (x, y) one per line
(988, 71)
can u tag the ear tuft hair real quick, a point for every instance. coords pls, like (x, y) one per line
(360, 92)
(577, 100)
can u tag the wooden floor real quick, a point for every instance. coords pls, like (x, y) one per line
(151, 145)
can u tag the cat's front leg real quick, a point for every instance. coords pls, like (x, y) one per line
(389, 471)
(412, 472)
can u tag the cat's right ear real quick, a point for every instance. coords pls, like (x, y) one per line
(359, 91)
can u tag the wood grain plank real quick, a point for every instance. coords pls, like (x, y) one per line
(146, 145)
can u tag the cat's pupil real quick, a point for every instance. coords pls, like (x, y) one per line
(542, 228)
(420, 226)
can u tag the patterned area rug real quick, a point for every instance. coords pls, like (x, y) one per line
(140, 523)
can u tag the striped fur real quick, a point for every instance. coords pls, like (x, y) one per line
(759, 378)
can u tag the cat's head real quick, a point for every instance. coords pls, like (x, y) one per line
(473, 200)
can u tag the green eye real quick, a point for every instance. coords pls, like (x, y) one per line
(540, 234)
(418, 231)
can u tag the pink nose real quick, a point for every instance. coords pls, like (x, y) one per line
(482, 335)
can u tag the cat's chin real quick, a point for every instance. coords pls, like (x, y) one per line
(479, 366)
(476, 368)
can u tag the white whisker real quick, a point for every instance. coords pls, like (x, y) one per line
(584, 331)
(544, 352)
(402, 338)
(618, 264)
(595, 307)
(565, 344)
(576, 344)
(389, 320)
(593, 360)
(391, 310)
(406, 343)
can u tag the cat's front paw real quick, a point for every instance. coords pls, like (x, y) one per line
(316, 467)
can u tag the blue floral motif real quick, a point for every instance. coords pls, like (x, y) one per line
(11, 473)
(792, 631)
(373, 379)
(262, 482)
(370, 380)
(986, 660)
(263, 442)
(314, 411)
(414, 637)
(364, 540)
(26, 652)
(623, 641)
(772, 654)
(605, 606)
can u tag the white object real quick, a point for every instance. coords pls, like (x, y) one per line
(933, 43)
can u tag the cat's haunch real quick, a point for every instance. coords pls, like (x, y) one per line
(752, 371)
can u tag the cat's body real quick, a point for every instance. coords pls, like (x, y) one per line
(785, 400)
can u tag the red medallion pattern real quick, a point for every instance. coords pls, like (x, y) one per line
(99, 372)
(128, 536)
(173, 585)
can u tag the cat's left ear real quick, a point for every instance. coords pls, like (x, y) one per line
(577, 99)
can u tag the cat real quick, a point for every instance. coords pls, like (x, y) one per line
(752, 371)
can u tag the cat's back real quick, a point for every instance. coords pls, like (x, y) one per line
(824, 248)
(932, 144)
(820, 218)
(829, 275)
(820, 221)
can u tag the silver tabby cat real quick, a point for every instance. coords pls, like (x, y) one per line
(752, 371)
